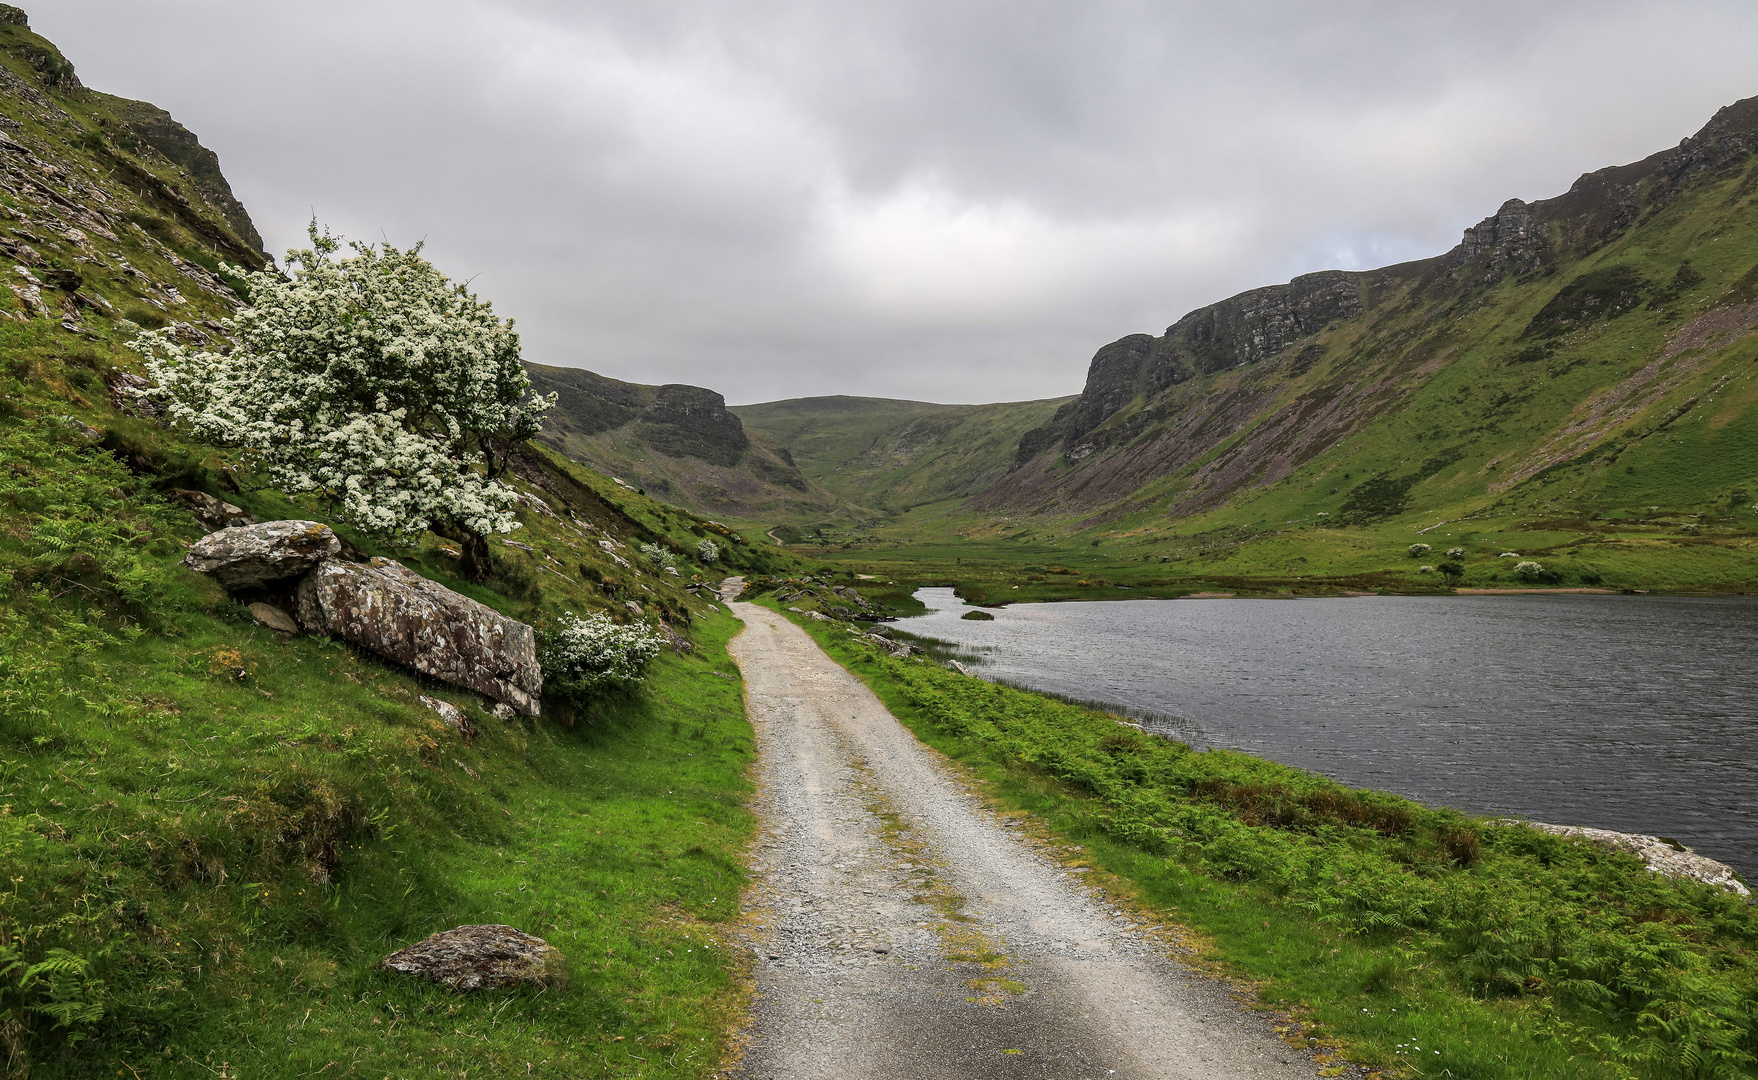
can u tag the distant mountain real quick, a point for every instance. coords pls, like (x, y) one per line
(1580, 355)
(1604, 337)
(678, 443)
(890, 455)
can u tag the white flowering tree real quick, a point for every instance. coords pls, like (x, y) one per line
(368, 378)
(708, 551)
(659, 556)
(582, 655)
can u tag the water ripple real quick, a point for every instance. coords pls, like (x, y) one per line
(1630, 713)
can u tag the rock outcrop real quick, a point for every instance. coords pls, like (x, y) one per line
(1662, 856)
(482, 958)
(381, 606)
(214, 513)
(452, 716)
(393, 611)
(256, 554)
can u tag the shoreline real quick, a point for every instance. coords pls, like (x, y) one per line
(1352, 594)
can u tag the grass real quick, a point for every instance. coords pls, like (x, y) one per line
(889, 455)
(1384, 925)
(210, 834)
(233, 827)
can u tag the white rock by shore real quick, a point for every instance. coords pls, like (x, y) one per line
(1660, 855)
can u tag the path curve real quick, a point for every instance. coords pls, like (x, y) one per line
(904, 932)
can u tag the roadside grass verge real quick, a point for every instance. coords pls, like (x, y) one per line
(232, 856)
(1498, 951)
(210, 833)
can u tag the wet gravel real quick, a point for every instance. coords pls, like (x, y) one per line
(903, 930)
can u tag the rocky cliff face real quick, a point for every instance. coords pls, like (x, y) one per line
(150, 125)
(1155, 405)
(103, 229)
(679, 443)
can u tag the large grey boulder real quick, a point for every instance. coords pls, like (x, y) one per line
(393, 611)
(482, 958)
(254, 554)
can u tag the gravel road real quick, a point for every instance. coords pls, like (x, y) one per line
(904, 931)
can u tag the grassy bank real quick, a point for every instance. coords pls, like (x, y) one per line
(210, 833)
(1659, 555)
(1425, 942)
(230, 855)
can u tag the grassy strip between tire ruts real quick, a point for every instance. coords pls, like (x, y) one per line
(1421, 942)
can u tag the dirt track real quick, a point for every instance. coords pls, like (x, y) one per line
(906, 932)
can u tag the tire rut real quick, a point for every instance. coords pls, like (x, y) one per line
(904, 931)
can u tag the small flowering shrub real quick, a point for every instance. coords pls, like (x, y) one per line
(1425, 569)
(1526, 568)
(585, 654)
(1456, 554)
(659, 556)
(708, 551)
(372, 380)
(1417, 551)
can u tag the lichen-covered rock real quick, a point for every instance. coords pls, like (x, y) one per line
(254, 554)
(451, 715)
(214, 513)
(1660, 855)
(482, 958)
(386, 608)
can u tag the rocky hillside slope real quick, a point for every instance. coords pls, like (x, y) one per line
(116, 211)
(1587, 353)
(678, 443)
(891, 455)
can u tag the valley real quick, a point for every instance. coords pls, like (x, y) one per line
(1574, 382)
(625, 687)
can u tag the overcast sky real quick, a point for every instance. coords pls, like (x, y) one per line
(951, 200)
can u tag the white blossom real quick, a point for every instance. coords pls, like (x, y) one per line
(708, 551)
(371, 379)
(584, 653)
(659, 556)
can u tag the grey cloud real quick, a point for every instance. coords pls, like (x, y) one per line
(954, 201)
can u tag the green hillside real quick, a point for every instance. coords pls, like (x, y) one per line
(890, 455)
(678, 443)
(1573, 383)
(211, 832)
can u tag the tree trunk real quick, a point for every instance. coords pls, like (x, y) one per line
(476, 562)
(476, 566)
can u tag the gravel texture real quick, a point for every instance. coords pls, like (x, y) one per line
(903, 930)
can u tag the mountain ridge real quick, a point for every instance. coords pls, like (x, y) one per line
(1133, 425)
(678, 442)
(889, 454)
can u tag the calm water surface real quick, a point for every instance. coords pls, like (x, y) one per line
(1631, 713)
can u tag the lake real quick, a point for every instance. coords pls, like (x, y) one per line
(1632, 713)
